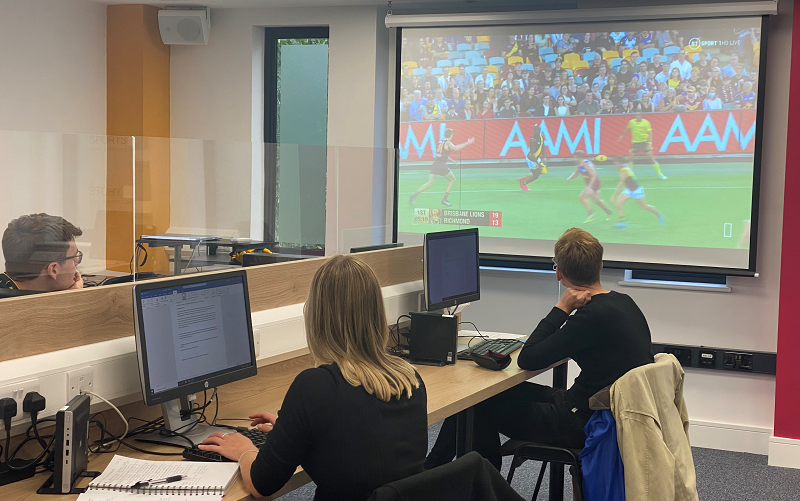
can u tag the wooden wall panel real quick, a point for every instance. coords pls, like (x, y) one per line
(137, 95)
(123, 111)
(56, 321)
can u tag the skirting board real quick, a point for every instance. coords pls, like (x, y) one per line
(729, 437)
(784, 452)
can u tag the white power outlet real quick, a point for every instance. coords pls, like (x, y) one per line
(79, 380)
(17, 391)
(257, 341)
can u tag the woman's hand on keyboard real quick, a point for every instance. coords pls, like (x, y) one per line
(230, 445)
(264, 421)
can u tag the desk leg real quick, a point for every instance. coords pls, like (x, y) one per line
(557, 470)
(464, 430)
(177, 262)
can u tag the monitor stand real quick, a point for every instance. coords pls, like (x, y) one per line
(186, 426)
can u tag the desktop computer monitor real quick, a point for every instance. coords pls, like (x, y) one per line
(192, 334)
(450, 268)
(367, 248)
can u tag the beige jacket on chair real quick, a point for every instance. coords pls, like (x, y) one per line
(653, 432)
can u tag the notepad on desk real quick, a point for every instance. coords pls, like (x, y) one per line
(127, 496)
(199, 479)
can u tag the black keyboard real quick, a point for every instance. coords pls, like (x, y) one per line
(501, 346)
(255, 435)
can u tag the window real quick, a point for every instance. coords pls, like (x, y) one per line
(296, 128)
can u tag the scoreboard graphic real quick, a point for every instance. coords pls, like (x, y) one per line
(458, 217)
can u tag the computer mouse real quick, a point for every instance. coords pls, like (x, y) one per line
(491, 360)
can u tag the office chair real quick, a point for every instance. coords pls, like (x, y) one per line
(468, 478)
(523, 450)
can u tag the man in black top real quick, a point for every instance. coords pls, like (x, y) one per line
(624, 74)
(607, 337)
(439, 49)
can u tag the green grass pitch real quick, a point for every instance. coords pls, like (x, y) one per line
(697, 200)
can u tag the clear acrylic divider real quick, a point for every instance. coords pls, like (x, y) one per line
(201, 204)
(360, 200)
(195, 204)
(301, 193)
(85, 179)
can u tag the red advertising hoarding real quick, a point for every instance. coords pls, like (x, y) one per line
(691, 133)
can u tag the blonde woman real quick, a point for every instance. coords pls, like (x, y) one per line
(356, 421)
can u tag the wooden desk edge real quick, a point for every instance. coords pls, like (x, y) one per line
(476, 398)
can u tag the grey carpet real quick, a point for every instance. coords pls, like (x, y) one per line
(721, 476)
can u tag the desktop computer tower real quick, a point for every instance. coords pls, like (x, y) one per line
(433, 339)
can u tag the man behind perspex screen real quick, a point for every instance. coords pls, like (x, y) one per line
(607, 336)
(41, 254)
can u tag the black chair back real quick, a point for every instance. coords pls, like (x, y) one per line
(468, 478)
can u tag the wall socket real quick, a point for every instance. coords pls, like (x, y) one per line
(79, 380)
(704, 357)
(257, 342)
(17, 391)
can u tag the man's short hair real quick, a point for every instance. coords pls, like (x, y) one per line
(32, 242)
(579, 256)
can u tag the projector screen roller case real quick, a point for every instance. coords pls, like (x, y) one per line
(644, 133)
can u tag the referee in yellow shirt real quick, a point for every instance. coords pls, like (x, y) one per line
(641, 141)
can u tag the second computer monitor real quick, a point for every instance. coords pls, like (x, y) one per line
(451, 268)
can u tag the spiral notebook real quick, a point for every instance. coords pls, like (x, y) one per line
(199, 478)
(127, 496)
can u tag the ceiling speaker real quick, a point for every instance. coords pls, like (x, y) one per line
(184, 26)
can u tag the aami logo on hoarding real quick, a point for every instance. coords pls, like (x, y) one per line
(708, 133)
(517, 140)
(427, 140)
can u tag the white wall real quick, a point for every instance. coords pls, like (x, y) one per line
(53, 67)
(728, 411)
(211, 85)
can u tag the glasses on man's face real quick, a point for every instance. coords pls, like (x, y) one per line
(554, 264)
(78, 257)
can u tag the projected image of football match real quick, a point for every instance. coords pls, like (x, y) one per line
(644, 137)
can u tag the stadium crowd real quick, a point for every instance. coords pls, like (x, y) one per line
(481, 77)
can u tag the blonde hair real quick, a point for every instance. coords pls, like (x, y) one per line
(579, 256)
(346, 325)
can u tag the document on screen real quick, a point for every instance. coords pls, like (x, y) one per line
(199, 340)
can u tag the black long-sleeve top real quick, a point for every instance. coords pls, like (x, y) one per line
(606, 337)
(348, 441)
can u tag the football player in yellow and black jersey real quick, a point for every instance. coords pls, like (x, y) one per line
(535, 159)
(631, 189)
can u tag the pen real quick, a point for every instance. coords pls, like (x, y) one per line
(145, 483)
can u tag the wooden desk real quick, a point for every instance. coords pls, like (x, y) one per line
(450, 389)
